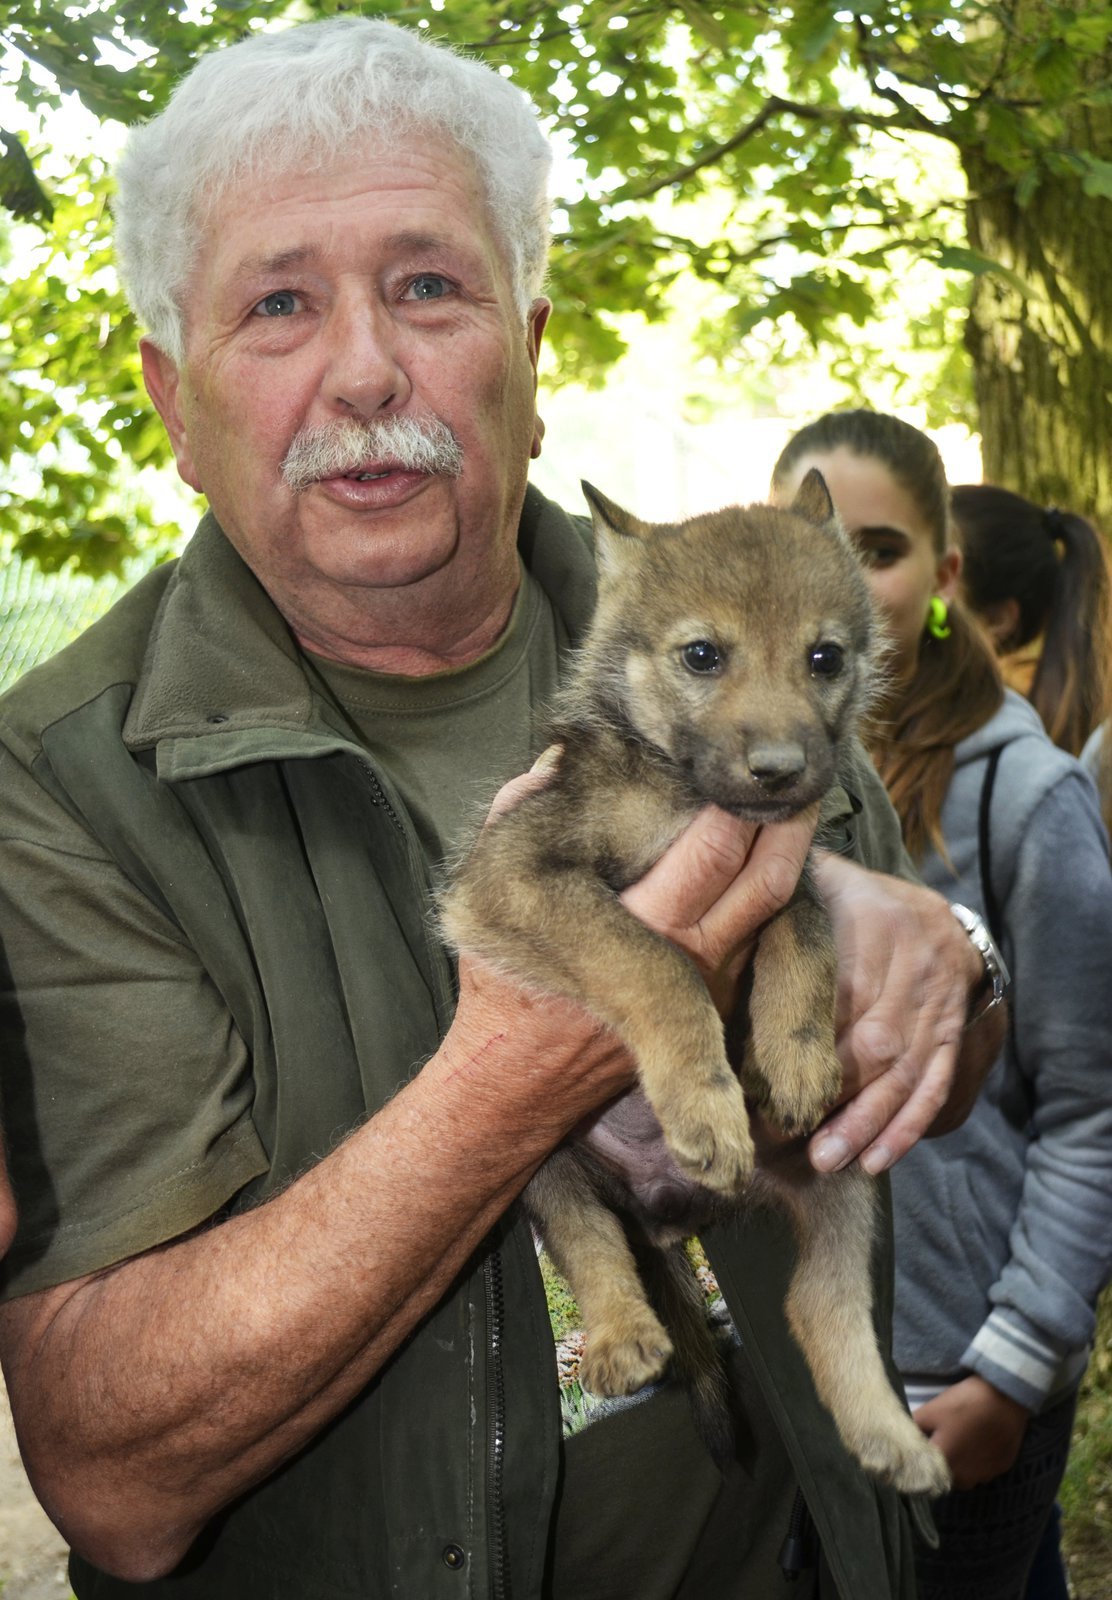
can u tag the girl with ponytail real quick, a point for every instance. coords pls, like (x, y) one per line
(1038, 576)
(1004, 1226)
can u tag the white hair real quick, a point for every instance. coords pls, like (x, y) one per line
(284, 101)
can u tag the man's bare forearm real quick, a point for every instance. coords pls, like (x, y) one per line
(153, 1393)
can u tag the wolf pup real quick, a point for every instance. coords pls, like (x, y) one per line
(728, 661)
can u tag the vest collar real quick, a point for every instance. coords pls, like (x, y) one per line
(223, 682)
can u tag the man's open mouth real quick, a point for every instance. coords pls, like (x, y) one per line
(393, 447)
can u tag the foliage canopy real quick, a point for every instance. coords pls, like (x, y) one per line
(803, 159)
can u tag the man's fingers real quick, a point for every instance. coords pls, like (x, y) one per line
(723, 873)
(774, 865)
(694, 871)
(868, 1048)
(882, 1122)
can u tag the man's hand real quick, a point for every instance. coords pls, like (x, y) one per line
(714, 889)
(906, 970)
(978, 1429)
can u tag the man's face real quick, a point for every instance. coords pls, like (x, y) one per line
(371, 288)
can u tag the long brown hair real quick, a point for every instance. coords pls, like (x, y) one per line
(956, 686)
(1053, 565)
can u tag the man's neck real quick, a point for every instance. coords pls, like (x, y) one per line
(411, 640)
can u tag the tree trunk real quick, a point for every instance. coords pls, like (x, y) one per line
(1042, 361)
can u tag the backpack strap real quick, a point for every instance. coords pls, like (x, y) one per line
(1020, 1108)
(984, 847)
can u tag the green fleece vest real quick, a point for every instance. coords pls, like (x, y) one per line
(201, 759)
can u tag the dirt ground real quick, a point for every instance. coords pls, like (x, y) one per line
(32, 1555)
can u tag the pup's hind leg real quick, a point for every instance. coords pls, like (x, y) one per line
(626, 1344)
(829, 1309)
(790, 1065)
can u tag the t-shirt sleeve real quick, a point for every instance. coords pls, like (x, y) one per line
(125, 1088)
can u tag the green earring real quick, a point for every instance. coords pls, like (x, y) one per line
(937, 612)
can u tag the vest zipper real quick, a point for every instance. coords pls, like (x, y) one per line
(495, 1317)
(379, 796)
(496, 1438)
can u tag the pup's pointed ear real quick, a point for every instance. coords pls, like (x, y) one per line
(614, 528)
(611, 516)
(812, 499)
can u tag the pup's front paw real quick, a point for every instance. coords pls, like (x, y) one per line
(708, 1133)
(624, 1356)
(900, 1454)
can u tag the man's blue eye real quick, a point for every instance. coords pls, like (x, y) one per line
(428, 287)
(282, 303)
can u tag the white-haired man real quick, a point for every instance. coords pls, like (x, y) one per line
(252, 1352)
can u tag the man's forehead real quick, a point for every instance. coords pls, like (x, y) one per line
(426, 159)
(417, 194)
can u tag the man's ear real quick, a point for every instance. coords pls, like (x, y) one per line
(534, 329)
(535, 323)
(163, 382)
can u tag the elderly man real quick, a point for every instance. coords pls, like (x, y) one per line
(273, 1321)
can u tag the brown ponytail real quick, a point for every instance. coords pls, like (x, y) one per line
(1053, 565)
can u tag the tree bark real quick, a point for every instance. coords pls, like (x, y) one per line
(1042, 359)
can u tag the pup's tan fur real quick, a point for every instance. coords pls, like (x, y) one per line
(729, 660)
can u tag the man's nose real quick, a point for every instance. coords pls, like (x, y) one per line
(366, 371)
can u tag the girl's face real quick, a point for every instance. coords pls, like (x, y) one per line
(896, 544)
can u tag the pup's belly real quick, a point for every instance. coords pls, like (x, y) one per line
(627, 1140)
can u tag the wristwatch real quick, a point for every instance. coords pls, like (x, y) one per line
(993, 988)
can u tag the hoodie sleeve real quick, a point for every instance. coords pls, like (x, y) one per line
(1058, 916)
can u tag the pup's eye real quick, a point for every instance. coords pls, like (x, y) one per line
(827, 659)
(701, 656)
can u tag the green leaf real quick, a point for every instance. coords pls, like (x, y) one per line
(802, 224)
(20, 190)
(1097, 181)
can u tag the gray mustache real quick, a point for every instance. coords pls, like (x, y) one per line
(419, 444)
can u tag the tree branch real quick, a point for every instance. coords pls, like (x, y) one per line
(776, 106)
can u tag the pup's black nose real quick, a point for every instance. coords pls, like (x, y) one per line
(776, 765)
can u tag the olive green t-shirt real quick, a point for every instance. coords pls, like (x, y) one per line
(450, 740)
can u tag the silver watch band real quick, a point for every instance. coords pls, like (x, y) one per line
(994, 988)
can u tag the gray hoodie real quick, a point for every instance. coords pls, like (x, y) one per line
(1004, 1227)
